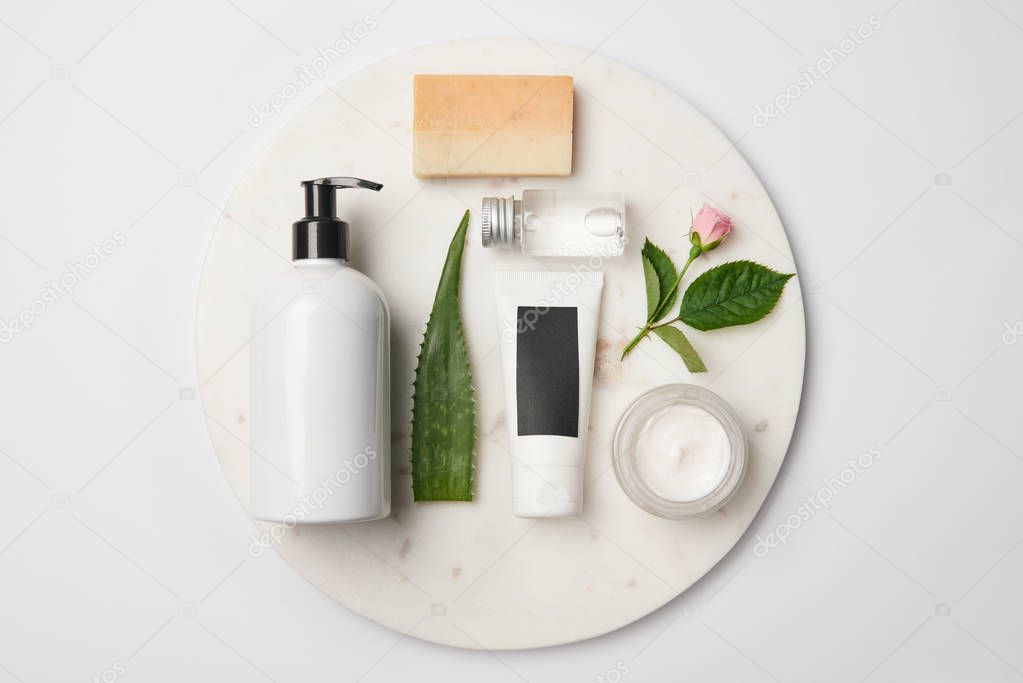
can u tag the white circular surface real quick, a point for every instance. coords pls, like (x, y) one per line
(470, 574)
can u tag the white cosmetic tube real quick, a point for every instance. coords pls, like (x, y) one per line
(547, 323)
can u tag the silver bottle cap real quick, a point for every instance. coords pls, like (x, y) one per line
(498, 221)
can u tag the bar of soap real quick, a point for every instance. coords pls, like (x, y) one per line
(492, 126)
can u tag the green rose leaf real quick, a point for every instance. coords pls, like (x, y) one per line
(736, 293)
(653, 287)
(659, 271)
(676, 340)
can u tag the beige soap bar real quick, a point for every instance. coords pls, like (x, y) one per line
(492, 126)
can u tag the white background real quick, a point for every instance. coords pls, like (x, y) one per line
(899, 179)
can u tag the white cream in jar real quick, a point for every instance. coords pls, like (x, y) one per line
(679, 451)
(682, 453)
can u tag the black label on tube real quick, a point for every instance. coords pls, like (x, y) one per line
(547, 370)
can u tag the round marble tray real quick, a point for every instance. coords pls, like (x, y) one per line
(470, 574)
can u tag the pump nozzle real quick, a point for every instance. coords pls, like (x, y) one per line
(322, 233)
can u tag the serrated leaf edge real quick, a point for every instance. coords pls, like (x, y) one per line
(783, 277)
(432, 495)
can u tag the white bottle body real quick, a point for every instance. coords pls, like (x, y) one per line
(320, 396)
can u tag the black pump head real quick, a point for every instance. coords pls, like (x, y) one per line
(322, 233)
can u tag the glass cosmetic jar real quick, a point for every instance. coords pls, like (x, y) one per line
(679, 451)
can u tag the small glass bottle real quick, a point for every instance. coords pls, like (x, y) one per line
(556, 223)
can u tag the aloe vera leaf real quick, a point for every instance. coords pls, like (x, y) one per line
(443, 407)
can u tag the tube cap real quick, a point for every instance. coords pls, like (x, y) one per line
(546, 490)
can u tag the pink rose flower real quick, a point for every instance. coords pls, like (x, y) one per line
(710, 228)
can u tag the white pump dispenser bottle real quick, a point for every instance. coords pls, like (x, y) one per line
(321, 379)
